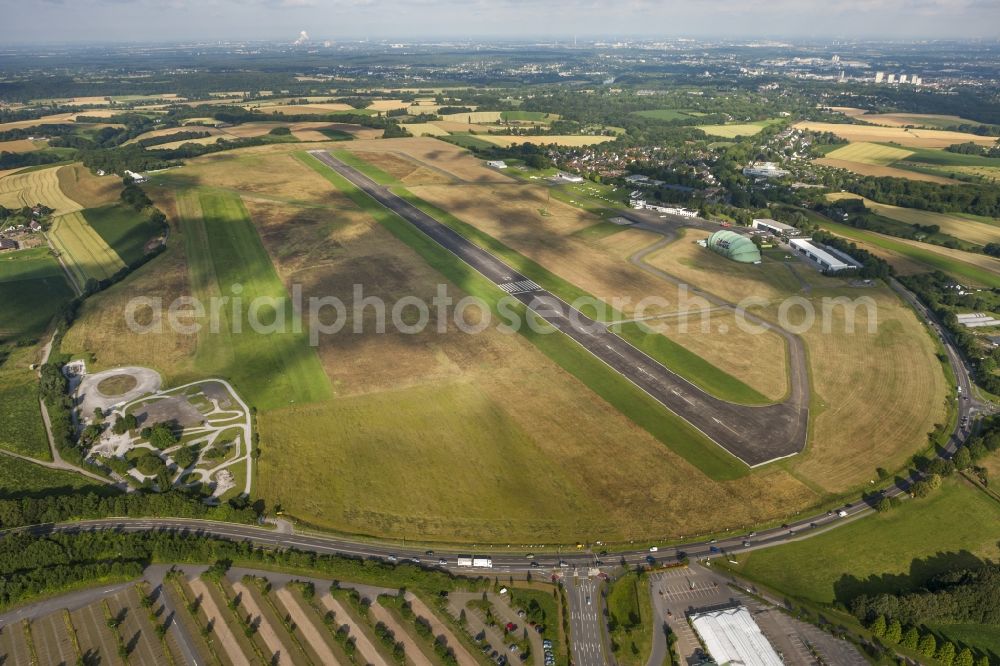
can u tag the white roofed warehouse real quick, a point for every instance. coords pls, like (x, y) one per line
(732, 637)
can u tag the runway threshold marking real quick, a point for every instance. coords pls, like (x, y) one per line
(520, 287)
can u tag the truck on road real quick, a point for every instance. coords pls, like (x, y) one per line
(479, 562)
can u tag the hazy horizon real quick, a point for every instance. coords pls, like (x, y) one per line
(107, 21)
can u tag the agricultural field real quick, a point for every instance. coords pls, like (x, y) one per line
(546, 139)
(123, 229)
(930, 120)
(21, 146)
(528, 116)
(32, 289)
(424, 129)
(733, 130)
(870, 153)
(79, 184)
(873, 404)
(908, 138)
(83, 251)
(473, 117)
(878, 171)
(34, 187)
(914, 256)
(964, 228)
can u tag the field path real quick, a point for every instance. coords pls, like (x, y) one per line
(438, 627)
(365, 646)
(306, 626)
(267, 632)
(413, 651)
(219, 627)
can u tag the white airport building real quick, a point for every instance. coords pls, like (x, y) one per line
(774, 227)
(732, 637)
(827, 258)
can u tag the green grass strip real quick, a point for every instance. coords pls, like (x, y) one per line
(670, 429)
(690, 366)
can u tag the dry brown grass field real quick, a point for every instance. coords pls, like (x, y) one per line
(293, 109)
(880, 171)
(453, 419)
(559, 140)
(58, 118)
(21, 146)
(463, 126)
(41, 186)
(954, 225)
(387, 104)
(90, 191)
(408, 172)
(436, 154)
(424, 129)
(848, 110)
(876, 395)
(915, 119)
(166, 131)
(474, 117)
(914, 138)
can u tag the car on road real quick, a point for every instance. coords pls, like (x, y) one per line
(530, 556)
(391, 558)
(442, 561)
(842, 514)
(429, 553)
(588, 600)
(746, 543)
(653, 549)
(534, 564)
(714, 549)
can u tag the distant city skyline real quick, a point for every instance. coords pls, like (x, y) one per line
(81, 21)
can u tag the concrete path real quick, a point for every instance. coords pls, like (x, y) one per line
(281, 653)
(220, 628)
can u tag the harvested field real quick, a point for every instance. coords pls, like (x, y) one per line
(316, 108)
(883, 171)
(82, 249)
(849, 111)
(387, 105)
(436, 154)
(905, 137)
(546, 139)
(454, 126)
(953, 225)
(424, 129)
(930, 120)
(733, 130)
(473, 117)
(869, 153)
(887, 382)
(79, 184)
(33, 187)
(21, 146)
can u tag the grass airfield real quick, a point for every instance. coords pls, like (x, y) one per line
(383, 435)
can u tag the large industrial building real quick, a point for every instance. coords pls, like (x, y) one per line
(828, 259)
(732, 637)
(734, 246)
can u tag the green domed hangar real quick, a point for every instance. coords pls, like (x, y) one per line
(734, 246)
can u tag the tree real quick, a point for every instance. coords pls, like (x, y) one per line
(983, 661)
(185, 456)
(963, 458)
(927, 645)
(161, 435)
(964, 658)
(946, 653)
(911, 638)
(894, 632)
(878, 626)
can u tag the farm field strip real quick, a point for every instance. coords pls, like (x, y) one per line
(980, 269)
(83, 250)
(960, 227)
(879, 171)
(870, 153)
(545, 139)
(33, 187)
(905, 137)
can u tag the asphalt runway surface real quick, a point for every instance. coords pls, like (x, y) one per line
(754, 434)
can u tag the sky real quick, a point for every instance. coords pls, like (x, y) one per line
(43, 21)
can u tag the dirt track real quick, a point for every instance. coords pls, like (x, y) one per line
(264, 628)
(219, 627)
(305, 626)
(365, 646)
